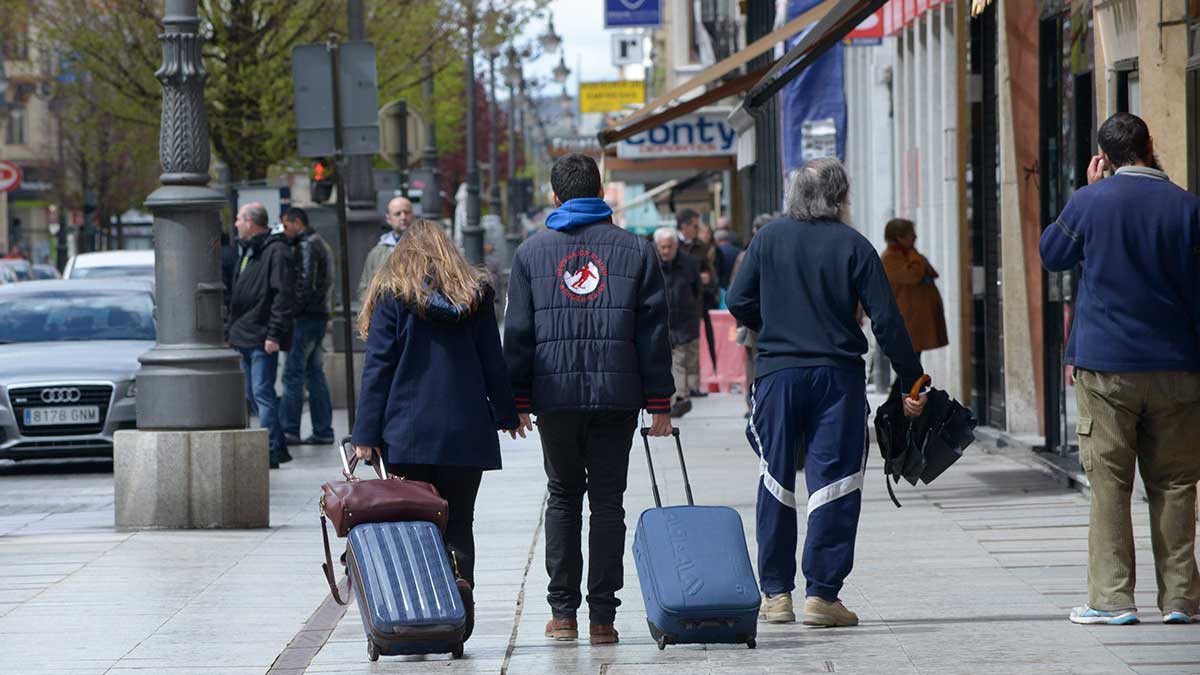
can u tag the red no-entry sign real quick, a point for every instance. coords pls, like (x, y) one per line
(10, 176)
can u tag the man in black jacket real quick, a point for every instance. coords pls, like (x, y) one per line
(705, 255)
(586, 340)
(799, 286)
(260, 316)
(682, 276)
(313, 263)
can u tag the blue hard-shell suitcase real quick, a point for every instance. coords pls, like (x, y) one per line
(406, 590)
(694, 570)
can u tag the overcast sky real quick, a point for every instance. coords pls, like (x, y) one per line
(581, 25)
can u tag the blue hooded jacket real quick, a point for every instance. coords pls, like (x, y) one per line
(576, 212)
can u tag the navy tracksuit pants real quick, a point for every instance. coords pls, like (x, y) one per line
(823, 410)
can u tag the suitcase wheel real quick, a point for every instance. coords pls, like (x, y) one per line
(457, 651)
(751, 643)
(662, 643)
(372, 651)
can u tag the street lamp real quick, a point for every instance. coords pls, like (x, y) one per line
(512, 69)
(472, 233)
(492, 51)
(550, 40)
(514, 76)
(561, 72)
(191, 462)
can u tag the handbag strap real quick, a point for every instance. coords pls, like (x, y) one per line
(327, 566)
(350, 464)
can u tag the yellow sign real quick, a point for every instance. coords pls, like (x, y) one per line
(602, 97)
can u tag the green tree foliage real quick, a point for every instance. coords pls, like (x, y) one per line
(248, 59)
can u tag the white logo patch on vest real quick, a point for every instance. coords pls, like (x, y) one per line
(582, 275)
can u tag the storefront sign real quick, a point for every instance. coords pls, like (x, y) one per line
(10, 176)
(869, 32)
(602, 97)
(897, 14)
(700, 135)
(586, 145)
(632, 13)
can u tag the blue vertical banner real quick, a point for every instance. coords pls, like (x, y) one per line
(813, 106)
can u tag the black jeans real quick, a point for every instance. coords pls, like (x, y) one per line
(586, 452)
(459, 486)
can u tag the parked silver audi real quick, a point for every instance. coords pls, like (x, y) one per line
(68, 355)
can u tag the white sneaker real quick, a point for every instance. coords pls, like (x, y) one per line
(777, 608)
(1177, 616)
(819, 612)
(1086, 615)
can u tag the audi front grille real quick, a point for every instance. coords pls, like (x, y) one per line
(54, 396)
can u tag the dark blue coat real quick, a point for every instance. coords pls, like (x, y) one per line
(586, 324)
(435, 390)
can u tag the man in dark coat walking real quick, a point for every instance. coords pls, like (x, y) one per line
(260, 316)
(586, 340)
(305, 368)
(799, 286)
(681, 275)
(705, 255)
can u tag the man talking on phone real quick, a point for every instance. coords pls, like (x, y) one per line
(1135, 348)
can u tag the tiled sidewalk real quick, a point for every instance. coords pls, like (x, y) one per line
(975, 574)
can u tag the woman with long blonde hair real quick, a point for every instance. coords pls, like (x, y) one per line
(435, 385)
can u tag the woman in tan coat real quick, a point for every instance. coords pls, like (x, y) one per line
(911, 277)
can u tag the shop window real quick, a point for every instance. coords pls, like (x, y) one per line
(16, 46)
(16, 128)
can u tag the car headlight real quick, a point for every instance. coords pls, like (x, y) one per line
(131, 392)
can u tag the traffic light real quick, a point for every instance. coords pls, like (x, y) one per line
(322, 182)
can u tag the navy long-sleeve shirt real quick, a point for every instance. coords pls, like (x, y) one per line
(1137, 236)
(800, 285)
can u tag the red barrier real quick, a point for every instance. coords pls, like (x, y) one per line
(731, 357)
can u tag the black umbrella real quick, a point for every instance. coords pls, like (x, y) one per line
(922, 448)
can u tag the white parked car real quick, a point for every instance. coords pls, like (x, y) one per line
(108, 264)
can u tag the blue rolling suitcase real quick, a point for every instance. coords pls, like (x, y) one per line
(406, 591)
(694, 570)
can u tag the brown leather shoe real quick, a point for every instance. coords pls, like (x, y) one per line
(604, 634)
(562, 629)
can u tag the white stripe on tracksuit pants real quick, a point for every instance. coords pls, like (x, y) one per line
(824, 410)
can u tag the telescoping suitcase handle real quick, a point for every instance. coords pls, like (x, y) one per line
(687, 486)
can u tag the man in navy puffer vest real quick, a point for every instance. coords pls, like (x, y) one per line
(586, 340)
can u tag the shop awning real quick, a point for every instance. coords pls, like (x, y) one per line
(670, 105)
(831, 29)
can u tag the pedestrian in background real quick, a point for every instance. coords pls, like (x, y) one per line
(229, 261)
(491, 262)
(1135, 347)
(586, 339)
(727, 255)
(681, 276)
(800, 286)
(704, 253)
(260, 317)
(435, 386)
(399, 217)
(305, 367)
(912, 280)
(746, 337)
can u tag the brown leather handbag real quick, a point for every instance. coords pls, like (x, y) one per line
(354, 501)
